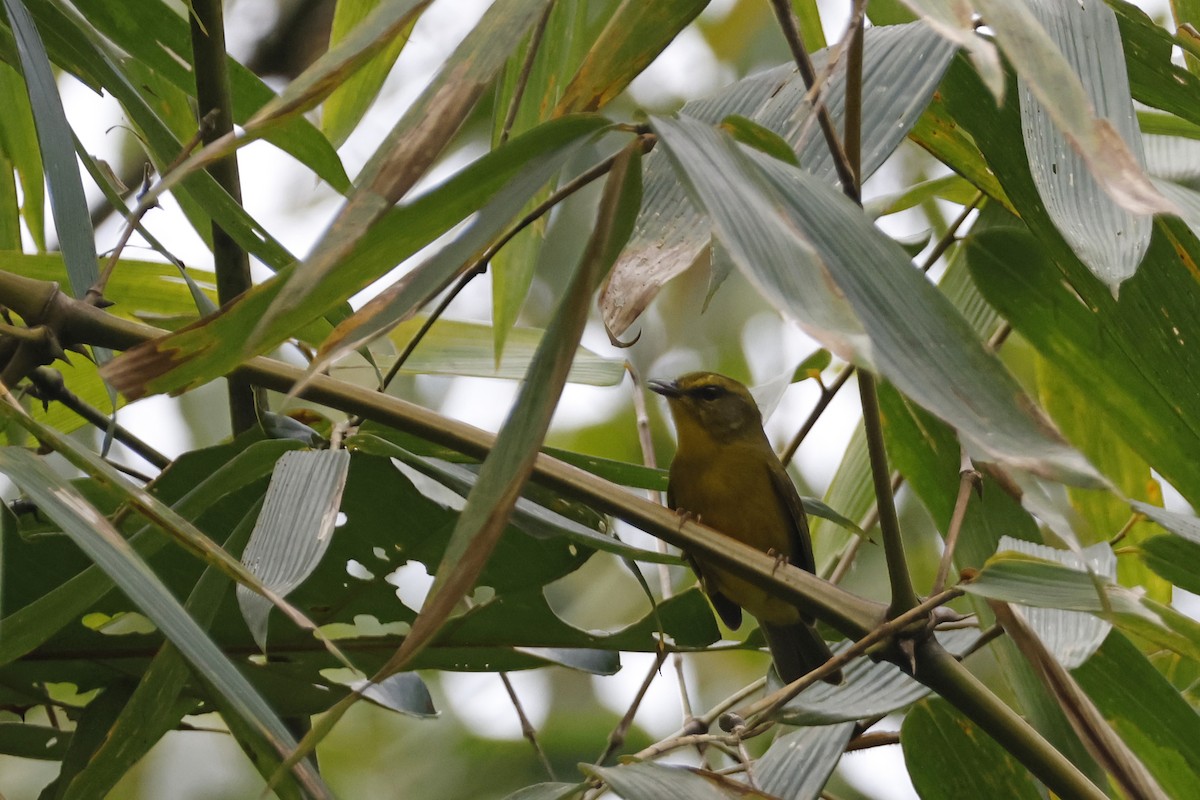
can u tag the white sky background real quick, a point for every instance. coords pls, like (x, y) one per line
(286, 199)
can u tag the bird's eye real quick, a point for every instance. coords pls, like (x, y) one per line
(710, 392)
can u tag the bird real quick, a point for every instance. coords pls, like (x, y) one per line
(726, 475)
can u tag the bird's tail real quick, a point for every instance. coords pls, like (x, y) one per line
(798, 649)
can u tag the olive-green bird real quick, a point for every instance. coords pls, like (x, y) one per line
(726, 475)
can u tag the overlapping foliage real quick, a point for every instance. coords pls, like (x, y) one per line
(1082, 259)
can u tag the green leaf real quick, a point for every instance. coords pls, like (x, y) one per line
(798, 764)
(351, 97)
(404, 693)
(293, 529)
(650, 781)
(67, 201)
(33, 741)
(765, 140)
(1101, 229)
(460, 347)
(507, 467)
(32, 624)
(949, 757)
(157, 37)
(549, 791)
(1061, 95)
(18, 141)
(406, 154)
(1146, 712)
(1144, 392)
(1020, 579)
(1176, 560)
(202, 352)
(871, 689)
(158, 703)
(93, 533)
(791, 233)
(372, 36)
(901, 69)
(634, 36)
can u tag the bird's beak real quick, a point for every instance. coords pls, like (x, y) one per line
(665, 388)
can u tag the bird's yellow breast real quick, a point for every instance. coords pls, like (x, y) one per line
(729, 488)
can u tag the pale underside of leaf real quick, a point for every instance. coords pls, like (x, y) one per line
(1108, 237)
(902, 66)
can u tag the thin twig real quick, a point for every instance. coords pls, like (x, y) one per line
(791, 33)
(527, 729)
(535, 43)
(646, 443)
(869, 740)
(1134, 519)
(617, 737)
(481, 263)
(827, 395)
(765, 708)
(951, 234)
(969, 479)
(869, 521)
(50, 387)
(904, 596)
(133, 219)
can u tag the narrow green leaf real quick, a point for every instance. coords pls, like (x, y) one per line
(1175, 559)
(403, 692)
(1145, 391)
(1146, 711)
(94, 534)
(504, 472)
(549, 791)
(351, 97)
(634, 36)
(202, 353)
(870, 689)
(67, 201)
(156, 705)
(749, 132)
(407, 153)
(1020, 579)
(402, 299)
(954, 19)
(18, 140)
(33, 741)
(650, 781)
(27, 628)
(1061, 95)
(461, 347)
(1107, 236)
(948, 757)
(157, 36)
(369, 38)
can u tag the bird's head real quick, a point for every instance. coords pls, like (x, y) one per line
(705, 404)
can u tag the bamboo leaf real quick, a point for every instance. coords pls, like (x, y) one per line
(795, 237)
(201, 353)
(94, 534)
(901, 68)
(293, 530)
(1108, 237)
(67, 201)
(510, 462)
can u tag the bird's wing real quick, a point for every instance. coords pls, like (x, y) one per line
(800, 541)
